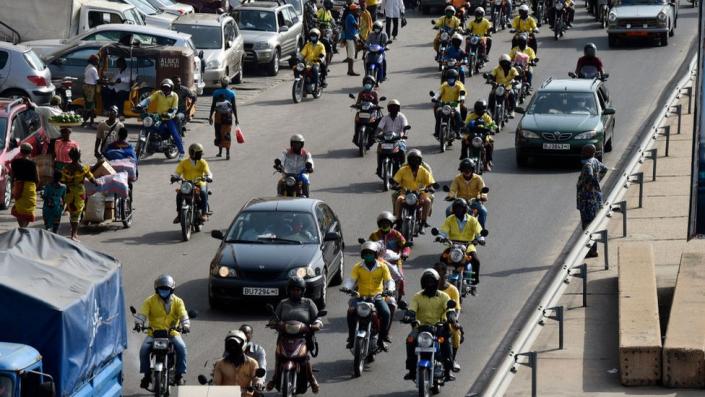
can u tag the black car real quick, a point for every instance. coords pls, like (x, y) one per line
(272, 239)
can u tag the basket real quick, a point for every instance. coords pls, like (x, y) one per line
(58, 124)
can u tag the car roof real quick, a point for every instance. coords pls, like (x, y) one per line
(125, 27)
(571, 85)
(281, 204)
(262, 5)
(111, 5)
(201, 19)
(9, 105)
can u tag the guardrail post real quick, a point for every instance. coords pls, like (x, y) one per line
(679, 109)
(639, 178)
(558, 316)
(583, 275)
(621, 207)
(652, 154)
(602, 238)
(689, 90)
(533, 364)
(667, 134)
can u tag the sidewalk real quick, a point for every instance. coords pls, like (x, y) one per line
(588, 365)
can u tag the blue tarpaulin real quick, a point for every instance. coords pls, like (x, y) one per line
(64, 300)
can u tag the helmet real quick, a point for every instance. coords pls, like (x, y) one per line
(456, 37)
(429, 273)
(590, 49)
(237, 335)
(459, 202)
(165, 281)
(414, 153)
(296, 282)
(369, 246)
(524, 8)
(386, 216)
(449, 9)
(505, 58)
(393, 102)
(328, 4)
(368, 79)
(480, 107)
(479, 12)
(522, 39)
(297, 138)
(466, 164)
(314, 31)
(452, 74)
(224, 81)
(377, 25)
(195, 148)
(167, 83)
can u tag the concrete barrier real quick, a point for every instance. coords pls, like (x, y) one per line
(639, 330)
(684, 348)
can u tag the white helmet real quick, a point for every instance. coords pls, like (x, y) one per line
(377, 25)
(457, 36)
(369, 246)
(451, 9)
(314, 31)
(393, 102)
(524, 8)
(505, 57)
(167, 83)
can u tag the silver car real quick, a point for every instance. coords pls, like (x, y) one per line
(218, 37)
(172, 7)
(23, 73)
(649, 19)
(272, 32)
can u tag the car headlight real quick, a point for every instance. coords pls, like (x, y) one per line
(425, 339)
(446, 109)
(363, 309)
(662, 17)
(499, 91)
(456, 255)
(300, 67)
(147, 122)
(529, 134)
(586, 135)
(226, 271)
(303, 272)
(213, 64)
(262, 45)
(411, 199)
(612, 17)
(477, 142)
(186, 188)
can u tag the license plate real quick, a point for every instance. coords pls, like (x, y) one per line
(637, 34)
(387, 146)
(556, 146)
(363, 115)
(425, 350)
(252, 291)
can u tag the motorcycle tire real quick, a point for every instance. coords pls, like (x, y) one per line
(288, 388)
(297, 91)
(171, 152)
(361, 142)
(358, 357)
(443, 138)
(141, 150)
(386, 174)
(317, 92)
(407, 229)
(186, 217)
(126, 212)
(157, 383)
(423, 381)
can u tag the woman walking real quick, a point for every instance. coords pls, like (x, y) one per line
(24, 189)
(54, 195)
(225, 108)
(73, 175)
(589, 193)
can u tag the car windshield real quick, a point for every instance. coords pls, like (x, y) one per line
(34, 61)
(204, 37)
(144, 7)
(264, 227)
(297, 4)
(563, 103)
(256, 20)
(642, 2)
(133, 17)
(162, 3)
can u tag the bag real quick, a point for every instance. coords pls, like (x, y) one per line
(239, 135)
(403, 21)
(95, 208)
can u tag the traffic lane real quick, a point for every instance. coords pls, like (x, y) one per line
(154, 247)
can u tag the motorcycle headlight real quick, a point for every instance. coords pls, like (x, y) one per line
(363, 309)
(300, 67)
(292, 328)
(474, 40)
(444, 36)
(290, 181)
(388, 136)
(446, 109)
(456, 255)
(262, 45)
(529, 134)
(160, 344)
(477, 142)
(213, 64)
(612, 17)
(303, 272)
(365, 106)
(559, 5)
(186, 188)
(411, 199)
(147, 122)
(226, 271)
(499, 91)
(586, 135)
(425, 339)
(452, 316)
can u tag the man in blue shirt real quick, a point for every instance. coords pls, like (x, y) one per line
(456, 54)
(351, 35)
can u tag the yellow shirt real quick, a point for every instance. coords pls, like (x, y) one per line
(504, 79)
(429, 310)
(452, 22)
(486, 118)
(190, 171)
(455, 93)
(365, 24)
(406, 179)
(462, 188)
(312, 52)
(324, 16)
(528, 51)
(370, 282)
(154, 310)
(454, 295)
(470, 231)
(524, 25)
(372, 3)
(162, 103)
(481, 28)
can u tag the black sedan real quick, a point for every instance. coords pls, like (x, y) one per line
(270, 240)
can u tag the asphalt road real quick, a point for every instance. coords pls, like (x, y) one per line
(531, 210)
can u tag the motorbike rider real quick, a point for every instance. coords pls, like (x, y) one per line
(481, 27)
(166, 103)
(314, 55)
(456, 330)
(428, 307)
(297, 308)
(368, 94)
(370, 278)
(568, 13)
(589, 58)
(190, 169)
(295, 160)
(447, 21)
(379, 36)
(468, 186)
(523, 23)
(452, 91)
(461, 226)
(395, 241)
(456, 54)
(522, 48)
(236, 368)
(253, 349)
(480, 114)
(413, 177)
(163, 310)
(504, 74)
(396, 122)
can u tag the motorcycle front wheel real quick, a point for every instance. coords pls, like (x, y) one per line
(186, 224)
(361, 141)
(386, 173)
(443, 137)
(288, 384)
(297, 91)
(406, 229)
(423, 380)
(358, 359)
(126, 212)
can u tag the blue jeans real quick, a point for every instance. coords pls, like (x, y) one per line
(173, 128)
(181, 354)
(481, 212)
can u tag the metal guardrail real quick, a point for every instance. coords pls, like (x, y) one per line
(573, 266)
(11, 35)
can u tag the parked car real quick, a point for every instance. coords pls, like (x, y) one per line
(23, 73)
(18, 124)
(272, 239)
(152, 15)
(654, 19)
(272, 32)
(172, 7)
(209, 6)
(562, 117)
(223, 47)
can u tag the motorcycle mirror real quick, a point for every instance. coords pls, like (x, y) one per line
(409, 244)
(351, 96)
(572, 75)
(383, 98)
(434, 231)
(485, 190)
(519, 109)
(133, 310)
(404, 137)
(433, 22)
(436, 186)
(446, 188)
(451, 304)
(361, 240)
(431, 93)
(269, 308)
(192, 313)
(536, 60)
(605, 76)
(217, 234)
(202, 379)
(484, 233)
(260, 372)
(322, 313)
(407, 128)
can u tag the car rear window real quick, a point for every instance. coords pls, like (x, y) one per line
(281, 227)
(34, 61)
(563, 103)
(255, 20)
(204, 37)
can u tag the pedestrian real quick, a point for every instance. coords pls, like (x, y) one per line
(223, 121)
(54, 194)
(372, 6)
(365, 21)
(90, 88)
(62, 147)
(24, 189)
(589, 194)
(107, 132)
(46, 113)
(73, 176)
(351, 35)
(393, 11)
(122, 85)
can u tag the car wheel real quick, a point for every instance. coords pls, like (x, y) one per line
(522, 159)
(672, 31)
(238, 77)
(612, 40)
(13, 94)
(273, 66)
(338, 278)
(608, 145)
(7, 194)
(321, 301)
(664, 39)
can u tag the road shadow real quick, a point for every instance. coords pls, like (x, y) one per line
(567, 42)
(421, 70)
(276, 102)
(355, 188)
(505, 273)
(347, 153)
(162, 237)
(601, 337)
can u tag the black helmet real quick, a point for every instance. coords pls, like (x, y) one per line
(466, 164)
(480, 107)
(522, 39)
(452, 74)
(328, 4)
(460, 203)
(590, 49)
(414, 157)
(429, 274)
(296, 282)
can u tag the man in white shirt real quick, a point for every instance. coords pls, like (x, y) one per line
(90, 85)
(46, 113)
(121, 85)
(394, 121)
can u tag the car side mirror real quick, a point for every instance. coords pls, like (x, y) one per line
(351, 96)
(331, 236)
(14, 143)
(485, 190)
(283, 29)
(605, 76)
(446, 188)
(217, 234)
(361, 240)
(202, 379)
(484, 233)
(436, 185)
(609, 111)
(260, 372)
(571, 74)
(383, 98)
(519, 109)
(434, 231)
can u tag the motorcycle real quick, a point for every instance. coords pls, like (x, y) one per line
(446, 132)
(531, 39)
(389, 148)
(475, 55)
(522, 64)
(366, 120)
(162, 355)
(446, 34)
(453, 64)
(411, 212)
(295, 342)
(500, 110)
(190, 216)
(499, 17)
(589, 72)
(328, 40)
(394, 262)
(64, 91)
(559, 25)
(603, 13)
(455, 256)
(254, 390)
(374, 62)
(154, 136)
(475, 135)
(304, 82)
(291, 184)
(540, 13)
(429, 367)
